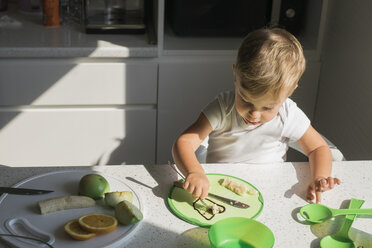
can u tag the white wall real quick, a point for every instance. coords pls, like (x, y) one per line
(344, 106)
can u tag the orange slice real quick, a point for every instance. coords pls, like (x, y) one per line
(74, 229)
(98, 223)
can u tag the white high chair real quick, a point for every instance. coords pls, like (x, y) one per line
(201, 152)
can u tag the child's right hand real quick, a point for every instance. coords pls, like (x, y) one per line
(197, 184)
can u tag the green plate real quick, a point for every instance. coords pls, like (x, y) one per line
(181, 202)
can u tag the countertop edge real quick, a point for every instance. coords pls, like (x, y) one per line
(73, 52)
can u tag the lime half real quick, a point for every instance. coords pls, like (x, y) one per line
(127, 213)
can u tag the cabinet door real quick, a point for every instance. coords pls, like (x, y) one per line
(67, 82)
(184, 89)
(77, 136)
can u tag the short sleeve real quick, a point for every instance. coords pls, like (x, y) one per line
(295, 121)
(217, 110)
(213, 112)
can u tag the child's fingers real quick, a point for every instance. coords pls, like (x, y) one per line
(310, 192)
(186, 185)
(331, 182)
(190, 189)
(197, 192)
(205, 190)
(318, 196)
(310, 196)
(204, 193)
(311, 188)
(323, 183)
(337, 181)
(320, 185)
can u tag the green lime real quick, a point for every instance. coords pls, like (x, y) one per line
(94, 186)
(113, 198)
(127, 213)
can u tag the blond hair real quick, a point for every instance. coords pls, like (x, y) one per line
(269, 61)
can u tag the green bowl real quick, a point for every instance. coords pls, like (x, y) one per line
(238, 232)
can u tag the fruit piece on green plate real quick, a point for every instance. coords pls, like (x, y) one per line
(127, 213)
(113, 198)
(94, 186)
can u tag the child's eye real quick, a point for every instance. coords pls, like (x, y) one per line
(267, 108)
(247, 103)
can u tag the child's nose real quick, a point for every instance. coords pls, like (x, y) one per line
(254, 113)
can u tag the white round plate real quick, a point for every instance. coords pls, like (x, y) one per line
(63, 183)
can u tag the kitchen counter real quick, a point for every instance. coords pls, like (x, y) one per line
(22, 35)
(278, 183)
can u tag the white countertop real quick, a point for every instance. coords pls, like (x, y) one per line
(28, 38)
(278, 183)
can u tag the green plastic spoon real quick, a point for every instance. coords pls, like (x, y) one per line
(341, 238)
(318, 213)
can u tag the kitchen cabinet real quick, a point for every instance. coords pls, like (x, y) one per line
(71, 82)
(68, 112)
(96, 136)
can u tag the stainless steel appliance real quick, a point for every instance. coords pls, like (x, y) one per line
(115, 16)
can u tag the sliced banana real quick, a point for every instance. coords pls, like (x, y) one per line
(65, 202)
(237, 187)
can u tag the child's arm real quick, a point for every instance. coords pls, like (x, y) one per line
(183, 152)
(320, 160)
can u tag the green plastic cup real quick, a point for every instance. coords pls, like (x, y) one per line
(238, 232)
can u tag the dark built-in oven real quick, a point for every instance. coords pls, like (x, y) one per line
(203, 18)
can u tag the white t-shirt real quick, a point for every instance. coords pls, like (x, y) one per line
(233, 141)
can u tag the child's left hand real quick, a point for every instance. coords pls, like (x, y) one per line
(320, 185)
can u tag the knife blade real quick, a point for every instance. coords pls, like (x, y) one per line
(231, 202)
(23, 191)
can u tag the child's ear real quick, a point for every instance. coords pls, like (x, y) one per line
(293, 90)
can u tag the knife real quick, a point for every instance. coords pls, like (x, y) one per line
(23, 191)
(231, 202)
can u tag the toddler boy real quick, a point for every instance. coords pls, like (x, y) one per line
(255, 122)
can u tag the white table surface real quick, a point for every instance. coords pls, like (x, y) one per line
(282, 185)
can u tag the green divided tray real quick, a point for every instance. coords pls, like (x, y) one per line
(181, 202)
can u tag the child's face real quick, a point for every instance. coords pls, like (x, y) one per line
(258, 110)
